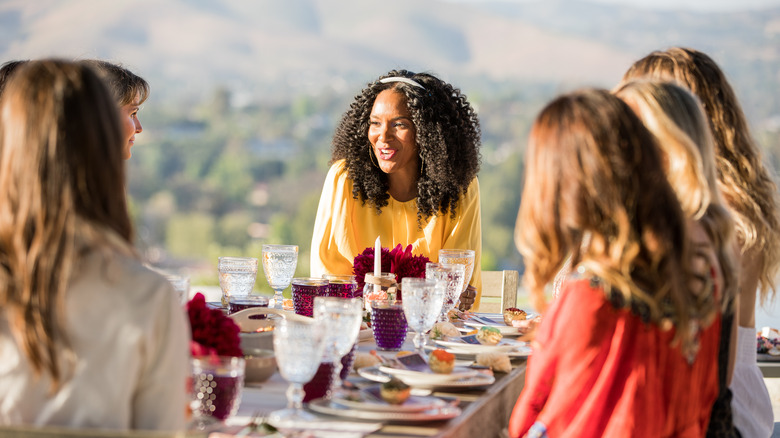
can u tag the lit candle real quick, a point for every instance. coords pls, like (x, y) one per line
(377, 262)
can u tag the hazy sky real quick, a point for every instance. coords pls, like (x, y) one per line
(702, 5)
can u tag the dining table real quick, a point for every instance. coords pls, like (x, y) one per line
(484, 410)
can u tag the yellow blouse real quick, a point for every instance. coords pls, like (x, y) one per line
(345, 227)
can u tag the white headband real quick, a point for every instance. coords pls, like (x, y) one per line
(401, 79)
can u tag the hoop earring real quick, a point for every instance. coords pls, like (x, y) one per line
(422, 164)
(371, 157)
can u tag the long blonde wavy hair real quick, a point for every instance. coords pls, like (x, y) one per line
(746, 183)
(61, 189)
(595, 188)
(677, 120)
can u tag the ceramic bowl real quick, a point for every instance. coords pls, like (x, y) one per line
(260, 365)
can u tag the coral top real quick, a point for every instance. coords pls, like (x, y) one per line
(600, 371)
(345, 227)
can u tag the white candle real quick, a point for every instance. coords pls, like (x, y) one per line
(377, 262)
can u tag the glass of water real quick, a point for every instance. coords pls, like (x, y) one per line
(298, 346)
(464, 257)
(279, 262)
(422, 305)
(237, 276)
(340, 319)
(453, 276)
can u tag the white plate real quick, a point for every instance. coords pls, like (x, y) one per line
(505, 330)
(329, 407)
(365, 334)
(363, 401)
(479, 379)
(411, 377)
(469, 355)
(504, 346)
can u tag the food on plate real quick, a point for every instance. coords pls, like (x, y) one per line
(514, 314)
(441, 362)
(489, 335)
(444, 329)
(395, 392)
(496, 361)
(363, 360)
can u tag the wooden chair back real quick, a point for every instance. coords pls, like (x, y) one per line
(499, 290)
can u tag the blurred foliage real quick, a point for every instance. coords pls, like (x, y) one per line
(214, 179)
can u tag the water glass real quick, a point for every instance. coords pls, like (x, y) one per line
(217, 382)
(304, 290)
(460, 256)
(181, 284)
(279, 262)
(342, 286)
(340, 318)
(237, 276)
(422, 306)
(453, 276)
(298, 346)
(237, 304)
(388, 323)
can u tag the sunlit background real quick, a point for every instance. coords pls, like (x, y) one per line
(246, 94)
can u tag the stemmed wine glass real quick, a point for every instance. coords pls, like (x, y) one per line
(279, 262)
(298, 346)
(340, 319)
(461, 256)
(422, 305)
(452, 275)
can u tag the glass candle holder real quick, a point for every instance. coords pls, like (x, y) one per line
(217, 383)
(237, 304)
(342, 286)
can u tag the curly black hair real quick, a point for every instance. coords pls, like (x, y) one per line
(448, 138)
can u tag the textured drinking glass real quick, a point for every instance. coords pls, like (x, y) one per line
(388, 323)
(298, 346)
(279, 262)
(304, 290)
(217, 382)
(237, 276)
(453, 275)
(181, 284)
(342, 286)
(461, 256)
(422, 303)
(340, 318)
(237, 304)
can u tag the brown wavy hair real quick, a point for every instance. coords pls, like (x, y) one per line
(677, 120)
(746, 183)
(595, 188)
(124, 84)
(61, 186)
(448, 138)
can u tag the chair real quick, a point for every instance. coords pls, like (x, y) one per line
(54, 431)
(499, 290)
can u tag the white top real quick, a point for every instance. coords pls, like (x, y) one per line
(131, 342)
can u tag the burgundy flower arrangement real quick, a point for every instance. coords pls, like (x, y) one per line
(399, 261)
(213, 333)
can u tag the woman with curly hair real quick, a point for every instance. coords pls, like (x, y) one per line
(618, 353)
(88, 336)
(751, 195)
(130, 92)
(404, 167)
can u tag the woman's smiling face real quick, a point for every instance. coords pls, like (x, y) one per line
(130, 124)
(392, 134)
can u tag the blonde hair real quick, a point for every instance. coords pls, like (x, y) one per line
(61, 187)
(677, 120)
(745, 182)
(595, 188)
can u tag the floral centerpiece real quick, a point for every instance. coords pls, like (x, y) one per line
(399, 261)
(213, 333)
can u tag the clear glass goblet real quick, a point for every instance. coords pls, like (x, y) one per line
(453, 275)
(464, 257)
(237, 276)
(422, 305)
(298, 346)
(279, 262)
(340, 319)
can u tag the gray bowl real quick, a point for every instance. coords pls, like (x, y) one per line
(260, 365)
